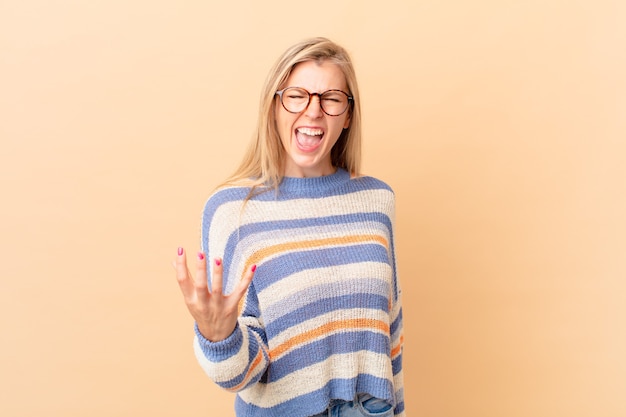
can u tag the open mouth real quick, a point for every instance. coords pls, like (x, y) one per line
(309, 138)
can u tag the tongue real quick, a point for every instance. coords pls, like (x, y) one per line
(307, 140)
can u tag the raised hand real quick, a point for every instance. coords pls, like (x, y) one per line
(214, 312)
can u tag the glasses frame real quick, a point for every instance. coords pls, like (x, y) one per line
(319, 96)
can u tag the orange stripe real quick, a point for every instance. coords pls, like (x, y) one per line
(398, 348)
(327, 328)
(256, 258)
(255, 363)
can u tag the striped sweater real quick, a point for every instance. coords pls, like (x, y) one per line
(322, 318)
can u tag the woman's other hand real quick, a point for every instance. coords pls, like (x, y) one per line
(215, 313)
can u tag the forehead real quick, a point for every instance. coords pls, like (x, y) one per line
(317, 76)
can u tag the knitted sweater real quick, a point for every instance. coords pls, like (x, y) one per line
(322, 318)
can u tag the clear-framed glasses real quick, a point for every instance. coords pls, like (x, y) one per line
(332, 102)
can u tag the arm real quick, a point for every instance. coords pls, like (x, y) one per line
(241, 359)
(229, 343)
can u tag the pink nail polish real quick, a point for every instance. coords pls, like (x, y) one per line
(253, 268)
(180, 251)
(218, 262)
(200, 255)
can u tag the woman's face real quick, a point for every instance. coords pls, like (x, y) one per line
(309, 136)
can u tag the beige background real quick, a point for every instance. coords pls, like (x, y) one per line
(500, 124)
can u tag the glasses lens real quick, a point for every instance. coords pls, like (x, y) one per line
(334, 102)
(295, 99)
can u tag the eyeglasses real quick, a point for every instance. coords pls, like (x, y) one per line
(332, 102)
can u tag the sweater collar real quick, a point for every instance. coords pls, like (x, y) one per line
(314, 184)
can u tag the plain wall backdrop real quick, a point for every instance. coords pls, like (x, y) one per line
(500, 125)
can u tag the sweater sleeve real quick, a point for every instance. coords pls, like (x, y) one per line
(397, 340)
(241, 359)
(396, 330)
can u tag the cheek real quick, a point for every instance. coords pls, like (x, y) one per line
(284, 124)
(281, 117)
(340, 125)
(346, 123)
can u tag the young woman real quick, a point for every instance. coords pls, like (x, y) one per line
(295, 296)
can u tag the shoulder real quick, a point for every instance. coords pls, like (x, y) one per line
(371, 182)
(227, 194)
(370, 194)
(221, 212)
(224, 199)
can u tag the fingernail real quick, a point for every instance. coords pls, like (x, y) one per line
(180, 251)
(218, 262)
(200, 255)
(253, 268)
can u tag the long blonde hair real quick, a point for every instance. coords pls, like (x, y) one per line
(263, 163)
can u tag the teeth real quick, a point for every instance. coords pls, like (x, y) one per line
(310, 132)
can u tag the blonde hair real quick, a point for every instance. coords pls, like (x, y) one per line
(263, 163)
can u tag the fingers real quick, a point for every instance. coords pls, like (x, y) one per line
(244, 283)
(182, 274)
(196, 287)
(216, 277)
(200, 279)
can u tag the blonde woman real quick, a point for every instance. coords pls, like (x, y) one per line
(295, 294)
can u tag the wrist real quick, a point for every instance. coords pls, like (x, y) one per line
(211, 334)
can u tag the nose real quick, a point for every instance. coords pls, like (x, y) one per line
(314, 108)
